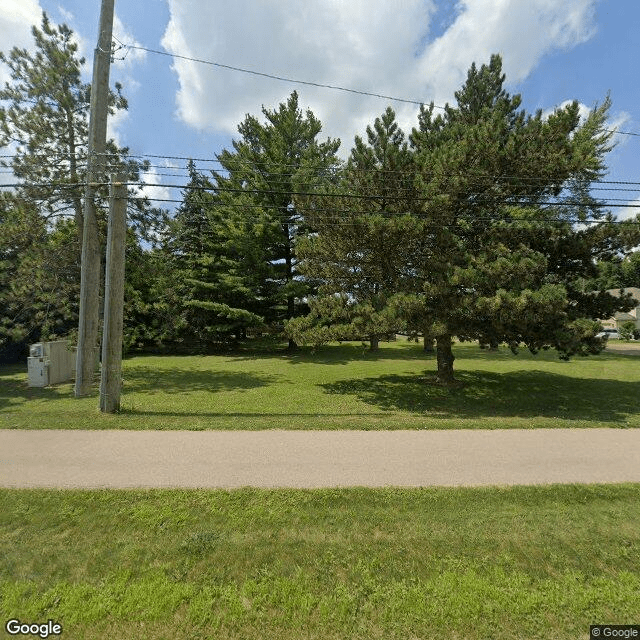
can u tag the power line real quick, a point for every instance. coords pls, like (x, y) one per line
(296, 81)
(330, 173)
(250, 165)
(353, 196)
(288, 175)
(283, 217)
(326, 221)
(310, 83)
(516, 200)
(276, 77)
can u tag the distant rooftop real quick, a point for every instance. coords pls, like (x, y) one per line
(634, 291)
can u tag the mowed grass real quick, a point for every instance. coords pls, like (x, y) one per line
(500, 563)
(343, 387)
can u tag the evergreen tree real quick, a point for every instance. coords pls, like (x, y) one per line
(630, 269)
(503, 232)
(39, 277)
(618, 272)
(211, 289)
(44, 126)
(255, 190)
(505, 253)
(358, 242)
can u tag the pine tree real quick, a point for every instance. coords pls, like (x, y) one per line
(618, 272)
(358, 241)
(39, 277)
(504, 248)
(503, 232)
(256, 187)
(44, 127)
(211, 295)
(44, 130)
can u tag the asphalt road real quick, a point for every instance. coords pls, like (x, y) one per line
(308, 459)
(625, 348)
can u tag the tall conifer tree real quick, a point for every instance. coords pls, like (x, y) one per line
(360, 234)
(44, 125)
(256, 187)
(212, 296)
(503, 232)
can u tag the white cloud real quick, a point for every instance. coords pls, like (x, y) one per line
(152, 177)
(122, 36)
(114, 124)
(583, 110)
(66, 15)
(374, 45)
(16, 19)
(629, 212)
(620, 120)
(523, 32)
(618, 123)
(358, 44)
(6, 174)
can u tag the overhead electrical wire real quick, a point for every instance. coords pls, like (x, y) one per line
(289, 80)
(480, 179)
(281, 217)
(276, 77)
(307, 82)
(326, 221)
(280, 175)
(352, 196)
(319, 171)
(405, 192)
(606, 202)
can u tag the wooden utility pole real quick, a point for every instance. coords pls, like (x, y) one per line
(111, 377)
(90, 266)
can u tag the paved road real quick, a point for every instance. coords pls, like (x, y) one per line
(127, 459)
(624, 348)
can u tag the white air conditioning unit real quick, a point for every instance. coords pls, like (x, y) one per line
(36, 350)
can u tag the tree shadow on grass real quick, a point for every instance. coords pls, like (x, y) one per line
(525, 394)
(345, 353)
(14, 387)
(169, 381)
(339, 354)
(275, 417)
(149, 380)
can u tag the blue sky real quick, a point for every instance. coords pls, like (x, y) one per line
(553, 51)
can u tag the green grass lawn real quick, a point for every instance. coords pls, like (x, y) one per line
(523, 562)
(343, 387)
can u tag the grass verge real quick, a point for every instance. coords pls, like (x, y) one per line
(343, 387)
(523, 562)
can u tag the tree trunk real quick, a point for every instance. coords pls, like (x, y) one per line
(428, 344)
(374, 343)
(73, 171)
(291, 301)
(445, 358)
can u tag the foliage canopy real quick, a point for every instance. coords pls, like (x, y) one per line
(491, 235)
